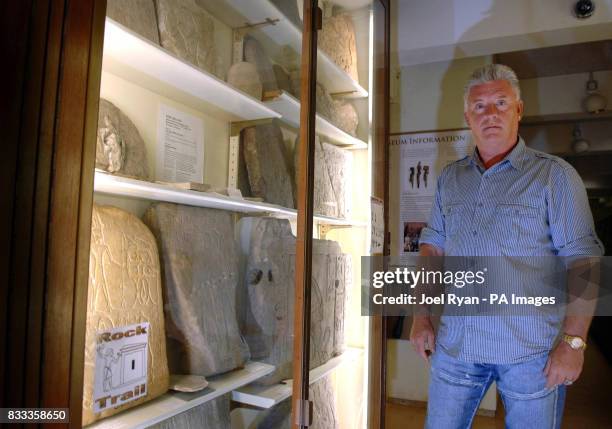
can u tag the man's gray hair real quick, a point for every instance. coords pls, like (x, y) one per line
(489, 73)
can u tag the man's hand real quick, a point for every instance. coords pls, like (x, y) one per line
(422, 336)
(564, 364)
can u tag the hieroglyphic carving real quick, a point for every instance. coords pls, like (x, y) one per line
(119, 146)
(124, 289)
(200, 266)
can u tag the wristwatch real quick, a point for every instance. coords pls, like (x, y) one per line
(574, 341)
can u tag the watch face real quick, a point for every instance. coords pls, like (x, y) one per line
(576, 343)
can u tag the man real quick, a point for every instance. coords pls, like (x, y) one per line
(504, 200)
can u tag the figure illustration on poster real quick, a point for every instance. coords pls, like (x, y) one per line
(109, 360)
(411, 180)
(418, 173)
(425, 174)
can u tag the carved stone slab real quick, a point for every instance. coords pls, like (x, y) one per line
(325, 413)
(124, 289)
(137, 15)
(269, 173)
(269, 281)
(337, 40)
(119, 146)
(187, 30)
(331, 181)
(244, 76)
(200, 268)
(213, 414)
(255, 54)
(338, 163)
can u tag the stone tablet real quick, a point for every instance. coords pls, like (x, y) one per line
(187, 30)
(213, 414)
(244, 76)
(337, 40)
(331, 180)
(255, 54)
(137, 15)
(339, 164)
(200, 264)
(269, 280)
(269, 173)
(124, 289)
(119, 147)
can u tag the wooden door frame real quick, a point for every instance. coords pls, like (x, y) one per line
(48, 159)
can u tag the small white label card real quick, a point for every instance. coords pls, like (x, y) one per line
(377, 238)
(180, 146)
(121, 366)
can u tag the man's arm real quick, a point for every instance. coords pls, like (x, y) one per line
(564, 363)
(422, 333)
(573, 235)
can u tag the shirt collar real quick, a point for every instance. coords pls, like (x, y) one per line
(515, 157)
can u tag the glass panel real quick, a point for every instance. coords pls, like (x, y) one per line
(193, 237)
(342, 190)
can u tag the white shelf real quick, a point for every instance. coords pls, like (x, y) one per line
(110, 184)
(289, 107)
(237, 13)
(173, 403)
(138, 60)
(268, 396)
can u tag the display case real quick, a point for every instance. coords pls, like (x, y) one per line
(234, 151)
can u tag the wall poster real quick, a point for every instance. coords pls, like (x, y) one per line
(416, 160)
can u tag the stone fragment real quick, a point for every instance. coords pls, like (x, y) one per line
(269, 173)
(244, 76)
(331, 179)
(124, 289)
(337, 40)
(338, 163)
(200, 264)
(137, 15)
(119, 146)
(325, 410)
(341, 113)
(213, 414)
(269, 280)
(187, 30)
(255, 54)
(283, 78)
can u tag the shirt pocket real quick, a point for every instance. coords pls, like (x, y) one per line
(454, 216)
(516, 228)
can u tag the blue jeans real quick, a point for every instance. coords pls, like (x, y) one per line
(456, 389)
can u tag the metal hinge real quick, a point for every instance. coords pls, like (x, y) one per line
(304, 415)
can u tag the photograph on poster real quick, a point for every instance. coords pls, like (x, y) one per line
(412, 232)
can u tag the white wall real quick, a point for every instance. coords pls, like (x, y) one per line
(438, 30)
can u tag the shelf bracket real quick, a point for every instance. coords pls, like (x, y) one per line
(325, 228)
(304, 415)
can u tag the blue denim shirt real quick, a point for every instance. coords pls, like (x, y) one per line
(529, 204)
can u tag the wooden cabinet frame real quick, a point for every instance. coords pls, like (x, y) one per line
(47, 160)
